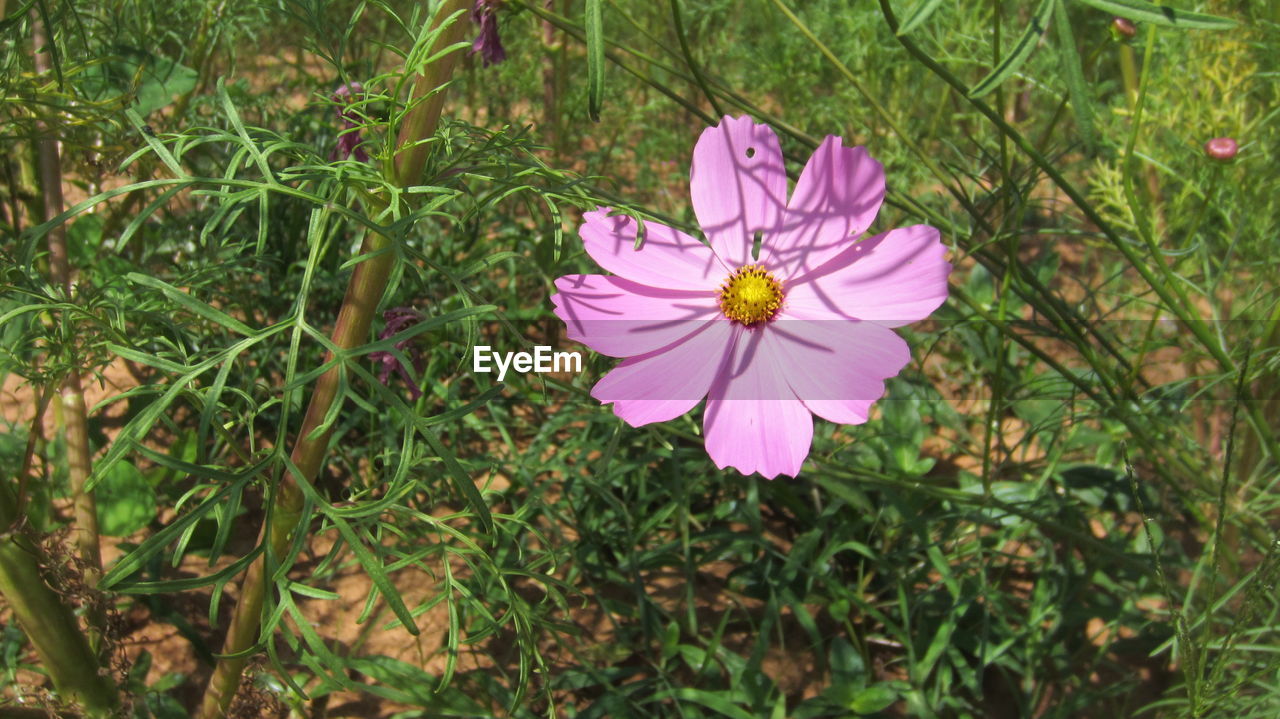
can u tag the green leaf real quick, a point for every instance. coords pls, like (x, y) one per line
(84, 237)
(595, 59)
(715, 701)
(918, 16)
(16, 17)
(847, 665)
(461, 481)
(1142, 11)
(126, 501)
(192, 304)
(1020, 52)
(162, 79)
(377, 574)
(413, 684)
(133, 561)
(1073, 73)
(163, 706)
(873, 699)
(153, 80)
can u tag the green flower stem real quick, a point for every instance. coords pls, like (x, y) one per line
(1129, 74)
(678, 24)
(75, 426)
(552, 81)
(364, 293)
(48, 622)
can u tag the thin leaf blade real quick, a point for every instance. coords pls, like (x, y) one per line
(1018, 55)
(918, 16)
(195, 306)
(461, 481)
(595, 58)
(1142, 11)
(377, 574)
(1073, 73)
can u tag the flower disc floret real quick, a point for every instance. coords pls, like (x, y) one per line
(750, 295)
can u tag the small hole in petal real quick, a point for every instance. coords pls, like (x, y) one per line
(751, 152)
(756, 242)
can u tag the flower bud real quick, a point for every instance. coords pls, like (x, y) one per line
(349, 139)
(487, 44)
(397, 320)
(347, 91)
(1221, 148)
(1123, 28)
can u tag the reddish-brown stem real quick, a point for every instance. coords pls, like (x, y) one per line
(550, 81)
(75, 416)
(364, 292)
(420, 122)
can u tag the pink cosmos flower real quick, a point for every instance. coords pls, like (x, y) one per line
(803, 328)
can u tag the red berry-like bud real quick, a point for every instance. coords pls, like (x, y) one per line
(1123, 28)
(1221, 148)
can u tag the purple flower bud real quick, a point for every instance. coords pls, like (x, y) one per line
(487, 43)
(397, 320)
(349, 139)
(1221, 148)
(1123, 28)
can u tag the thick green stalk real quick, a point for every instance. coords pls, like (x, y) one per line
(49, 623)
(364, 292)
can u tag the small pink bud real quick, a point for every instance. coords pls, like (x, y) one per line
(1123, 28)
(1221, 148)
(349, 139)
(345, 92)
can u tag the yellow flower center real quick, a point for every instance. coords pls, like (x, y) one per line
(751, 295)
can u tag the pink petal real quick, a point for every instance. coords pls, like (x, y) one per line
(836, 199)
(668, 382)
(894, 278)
(668, 258)
(738, 186)
(837, 367)
(620, 318)
(753, 421)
